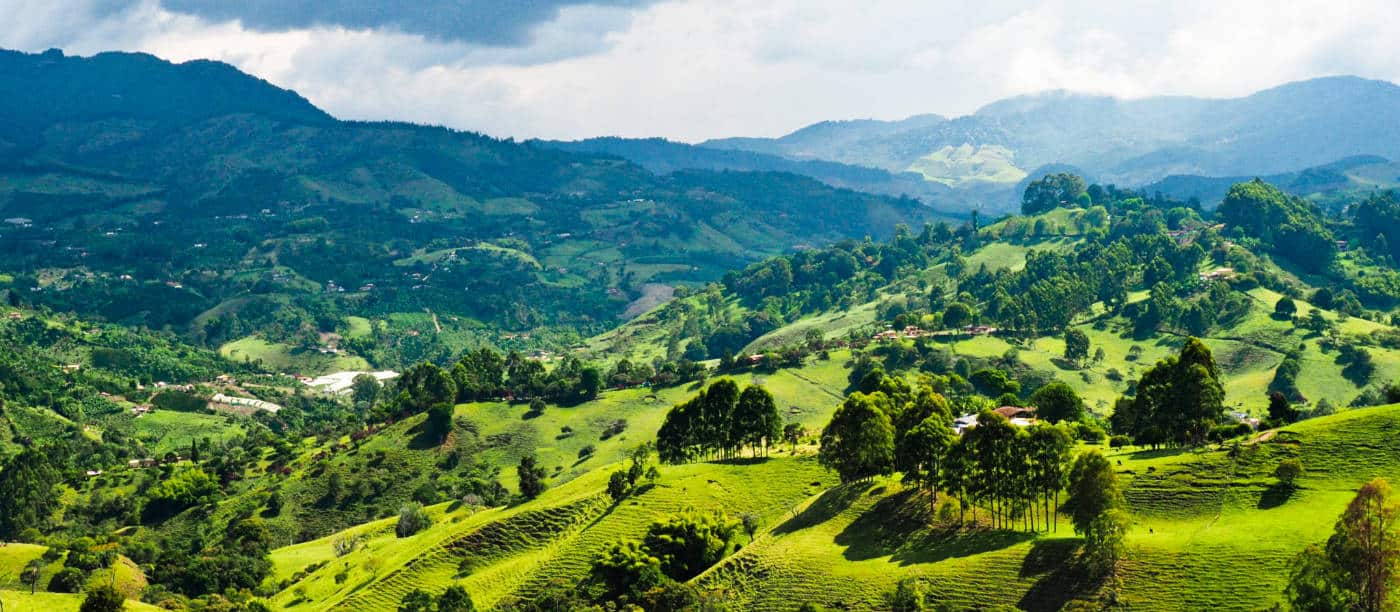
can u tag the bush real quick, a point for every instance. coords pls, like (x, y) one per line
(68, 580)
(1288, 471)
(587, 451)
(617, 485)
(1221, 433)
(613, 428)
(412, 519)
(1119, 441)
(103, 599)
(1091, 433)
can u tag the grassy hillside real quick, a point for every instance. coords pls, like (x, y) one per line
(1210, 527)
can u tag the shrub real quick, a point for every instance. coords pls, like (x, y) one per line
(613, 428)
(1091, 433)
(412, 519)
(1288, 471)
(587, 451)
(103, 599)
(68, 580)
(1119, 441)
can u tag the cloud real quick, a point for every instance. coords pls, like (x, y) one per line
(695, 69)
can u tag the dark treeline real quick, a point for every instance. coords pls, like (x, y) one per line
(484, 374)
(1178, 401)
(718, 423)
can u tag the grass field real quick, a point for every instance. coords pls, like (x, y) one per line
(22, 601)
(1210, 530)
(283, 358)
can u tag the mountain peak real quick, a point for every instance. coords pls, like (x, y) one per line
(40, 89)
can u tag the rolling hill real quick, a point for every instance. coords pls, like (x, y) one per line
(196, 198)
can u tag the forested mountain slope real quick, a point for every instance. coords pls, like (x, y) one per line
(197, 198)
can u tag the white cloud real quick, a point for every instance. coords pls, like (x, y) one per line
(694, 69)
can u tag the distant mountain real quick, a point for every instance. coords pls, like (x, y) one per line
(1320, 183)
(1128, 142)
(195, 197)
(38, 91)
(665, 156)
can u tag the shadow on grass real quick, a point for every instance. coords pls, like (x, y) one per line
(740, 461)
(1063, 575)
(1276, 495)
(831, 503)
(899, 526)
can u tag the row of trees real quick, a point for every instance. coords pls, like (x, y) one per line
(719, 422)
(1016, 473)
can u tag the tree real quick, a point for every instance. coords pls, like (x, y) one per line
(858, 442)
(750, 522)
(921, 450)
(67, 580)
(412, 519)
(1288, 471)
(617, 485)
(531, 477)
(590, 383)
(455, 599)
(1057, 402)
(1050, 191)
(1049, 450)
(33, 571)
(756, 421)
(26, 493)
(439, 422)
(364, 389)
(416, 600)
(1094, 507)
(1076, 346)
(1178, 400)
(102, 598)
(1285, 308)
(792, 433)
(1357, 568)
(425, 385)
(626, 568)
(1280, 411)
(687, 544)
(957, 315)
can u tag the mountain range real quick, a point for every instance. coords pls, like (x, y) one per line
(196, 197)
(978, 160)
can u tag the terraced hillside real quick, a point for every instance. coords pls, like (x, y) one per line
(1210, 529)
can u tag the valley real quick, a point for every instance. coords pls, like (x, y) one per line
(254, 357)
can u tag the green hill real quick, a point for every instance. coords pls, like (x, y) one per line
(195, 198)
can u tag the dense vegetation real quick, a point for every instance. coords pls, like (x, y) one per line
(858, 423)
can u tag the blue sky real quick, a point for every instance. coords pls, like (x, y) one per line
(696, 69)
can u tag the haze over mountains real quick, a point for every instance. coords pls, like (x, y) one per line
(984, 157)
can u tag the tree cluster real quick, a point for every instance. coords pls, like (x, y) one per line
(719, 422)
(1178, 400)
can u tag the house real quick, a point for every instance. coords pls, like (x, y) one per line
(15, 316)
(92, 473)
(142, 463)
(140, 409)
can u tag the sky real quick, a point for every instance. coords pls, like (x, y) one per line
(695, 69)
